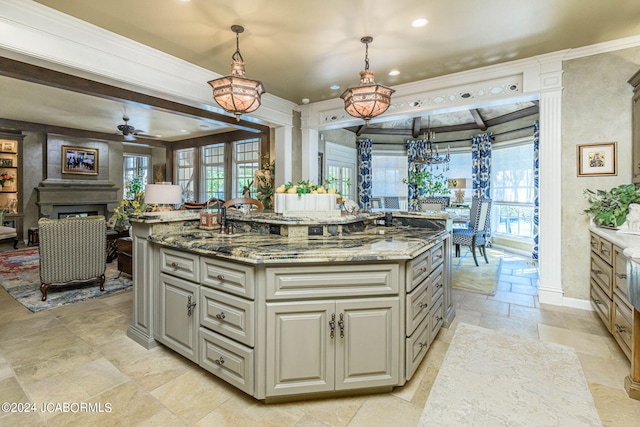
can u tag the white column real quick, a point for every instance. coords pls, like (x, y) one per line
(550, 229)
(310, 155)
(283, 144)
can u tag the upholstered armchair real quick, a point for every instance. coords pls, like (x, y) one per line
(7, 233)
(72, 250)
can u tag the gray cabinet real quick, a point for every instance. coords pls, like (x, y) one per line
(319, 346)
(178, 322)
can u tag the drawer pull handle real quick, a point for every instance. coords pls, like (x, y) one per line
(439, 318)
(220, 277)
(439, 285)
(422, 345)
(597, 301)
(423, 270)
(332, 325)
(423, 305)
(190, 305)
(219, 361)
(220, 316)
(341, 325)
(597, 271)
(605, 251)
(621, 276)
(174, 264)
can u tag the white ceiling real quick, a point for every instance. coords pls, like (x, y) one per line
(298, 48)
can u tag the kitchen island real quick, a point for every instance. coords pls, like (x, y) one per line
(295, 308)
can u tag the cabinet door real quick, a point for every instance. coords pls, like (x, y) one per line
(300, 348)
(367, 343)
(178, 316)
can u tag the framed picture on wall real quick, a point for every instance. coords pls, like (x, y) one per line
(7, 146)
(79, 160)
(597, 159)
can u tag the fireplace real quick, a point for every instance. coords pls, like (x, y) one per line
(63, 198)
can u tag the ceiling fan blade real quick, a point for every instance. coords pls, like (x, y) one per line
(129, 137)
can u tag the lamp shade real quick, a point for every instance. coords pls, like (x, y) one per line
(163, 194)
(458, 183)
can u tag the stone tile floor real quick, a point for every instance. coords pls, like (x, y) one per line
(80, 353)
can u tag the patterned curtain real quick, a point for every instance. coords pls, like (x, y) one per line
(365, 148)
(481, 165)
(536, 187)
(415, 150)
(481, 170)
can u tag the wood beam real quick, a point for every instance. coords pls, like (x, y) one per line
(478, 119)
(17, 125)
(40, 75)
(416, 127)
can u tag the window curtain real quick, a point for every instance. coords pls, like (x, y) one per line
(481, 170)
(536, 187)
(365, 149)
(415, 150)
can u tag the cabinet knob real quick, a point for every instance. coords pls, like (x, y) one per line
(221, 315)
(422, 345)
(597, 301)
(622, 329)
(220, 277)
(596, 271)
(174, 264)
(423, 305)
(621, 276)
(219, 361)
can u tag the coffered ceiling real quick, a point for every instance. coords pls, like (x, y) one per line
(311, 50)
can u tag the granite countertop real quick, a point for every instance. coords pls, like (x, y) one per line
(397, 243)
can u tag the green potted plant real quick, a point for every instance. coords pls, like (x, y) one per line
(610, 208)
(428, 182)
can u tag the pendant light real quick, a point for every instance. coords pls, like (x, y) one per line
(235, 93)
(369, 99)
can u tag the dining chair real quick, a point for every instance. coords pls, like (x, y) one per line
(475, 234)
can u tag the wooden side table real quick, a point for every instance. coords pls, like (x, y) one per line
(124, 252)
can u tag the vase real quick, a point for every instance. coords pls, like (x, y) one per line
(122, 224)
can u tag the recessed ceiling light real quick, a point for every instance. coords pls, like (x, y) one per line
(334, 87)
(183, 130)
(420, 22)
(394, 72)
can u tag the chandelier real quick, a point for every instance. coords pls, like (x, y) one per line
(234, 93)
(430, 155)
(369, 99)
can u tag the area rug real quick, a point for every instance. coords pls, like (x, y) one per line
(482, 279)
(20, 276)
(490, 378)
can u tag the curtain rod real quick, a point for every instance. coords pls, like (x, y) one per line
(458, 140)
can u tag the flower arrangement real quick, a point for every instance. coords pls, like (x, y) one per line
(304, 187)
(6, 179)
(263, 181)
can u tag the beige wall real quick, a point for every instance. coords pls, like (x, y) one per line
(596, 107)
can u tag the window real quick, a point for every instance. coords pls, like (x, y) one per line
(247, 161)
(185, 161)
(213, 171)
(341, 168)
(389, 168)
(134, 166)
(512, 190)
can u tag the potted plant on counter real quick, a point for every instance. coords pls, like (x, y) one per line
(610, 208)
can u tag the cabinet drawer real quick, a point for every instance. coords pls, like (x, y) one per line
(227, 360)
(605, 250)
(601, 273)
(180, 264)
(620, 273)
(332, 281)
(622, 325)
(416, 347)
(436, 317)
(418, 269)
(437, 255)
(228, 315)
(234, 278)
(595, 242)
(437, 280)
(418, 305)
(601, 304)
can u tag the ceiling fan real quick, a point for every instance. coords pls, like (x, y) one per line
(129, 132)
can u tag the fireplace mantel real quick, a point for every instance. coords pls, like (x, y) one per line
(65, 194)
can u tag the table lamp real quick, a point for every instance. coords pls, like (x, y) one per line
(460, 184)
(163, 194)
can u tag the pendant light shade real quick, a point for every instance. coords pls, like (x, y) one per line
(235, 93)
(369, 99)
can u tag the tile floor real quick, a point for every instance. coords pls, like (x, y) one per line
(80, 353)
